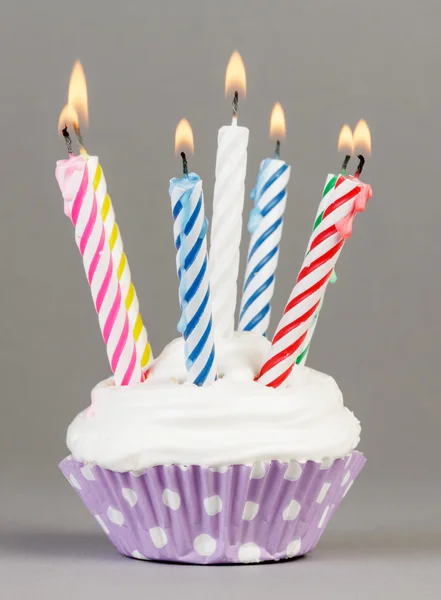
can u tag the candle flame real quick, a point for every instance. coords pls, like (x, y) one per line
(68, 116)
(346, 140)
(184, 141)
(362, 137)
(277, 122)
(235, 77)
(78, 93)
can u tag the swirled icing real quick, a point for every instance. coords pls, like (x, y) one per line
(166, 420)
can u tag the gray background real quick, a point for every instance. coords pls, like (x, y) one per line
(148, 64)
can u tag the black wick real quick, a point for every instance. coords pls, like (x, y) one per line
(184, 164)
(345, 164)
(68, 140)
(235, 104)
(360, 166)
(277, 152)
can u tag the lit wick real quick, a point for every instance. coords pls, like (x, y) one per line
(345, 164)
(184, 164)
(68, 140)
(277, 151)
(360, 166)
(235, 104)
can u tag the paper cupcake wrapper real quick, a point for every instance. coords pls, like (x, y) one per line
(231, 514)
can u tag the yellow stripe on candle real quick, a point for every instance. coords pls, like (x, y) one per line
(138, 329)
(129, 300)
(113, 237)
(97, 178)
(106, 207)
(145, 359)
(122, 266)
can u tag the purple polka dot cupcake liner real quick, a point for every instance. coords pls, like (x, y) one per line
(215, 515)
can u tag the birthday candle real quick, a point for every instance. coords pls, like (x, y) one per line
(81, 207)
(228, 200)
(326, 195)
(78, 99)
(327, 242)
(119, 257)
(345, 143)
(190, 233)
(265, 225)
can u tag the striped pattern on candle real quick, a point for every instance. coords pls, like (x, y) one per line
(331, 180)
(120, 261)
(226, 227)
(82, 208)
(265, 226)
(190, 233)
(326, 245)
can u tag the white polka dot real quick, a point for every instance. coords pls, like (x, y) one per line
(348, 461)
(137, 554)
(323, 492)
(293, 548)
(159, 537)
(115, 515)
(291, 512)
(293, 472)
(86, 472)
(326, 464)
(102, 524)
(138, 473)
(348, 488)
(184, 467)
(346, 478)
(171, 499)
(258, 471)
(249, 553)
(213, 505)
(74, 482)
(250, 510)
(323, 518)
(130, 496)
(220, 469)
(204, 544)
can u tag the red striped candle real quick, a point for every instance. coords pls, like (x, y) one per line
(349, 197)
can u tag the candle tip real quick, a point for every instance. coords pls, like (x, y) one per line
(184, 164)
(235, 105)
(277, 151)
(345, 164)
(68, 140)
(360, 166)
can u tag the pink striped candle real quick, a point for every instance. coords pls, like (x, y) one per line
(81, 207)
(349, 197)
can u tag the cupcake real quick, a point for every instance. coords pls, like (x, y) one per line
(234, 472)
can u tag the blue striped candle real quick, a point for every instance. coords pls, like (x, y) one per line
(265, 226)
(190, 234)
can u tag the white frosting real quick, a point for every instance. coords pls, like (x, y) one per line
(234, 421)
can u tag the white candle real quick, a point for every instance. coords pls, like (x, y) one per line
(228, 201)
